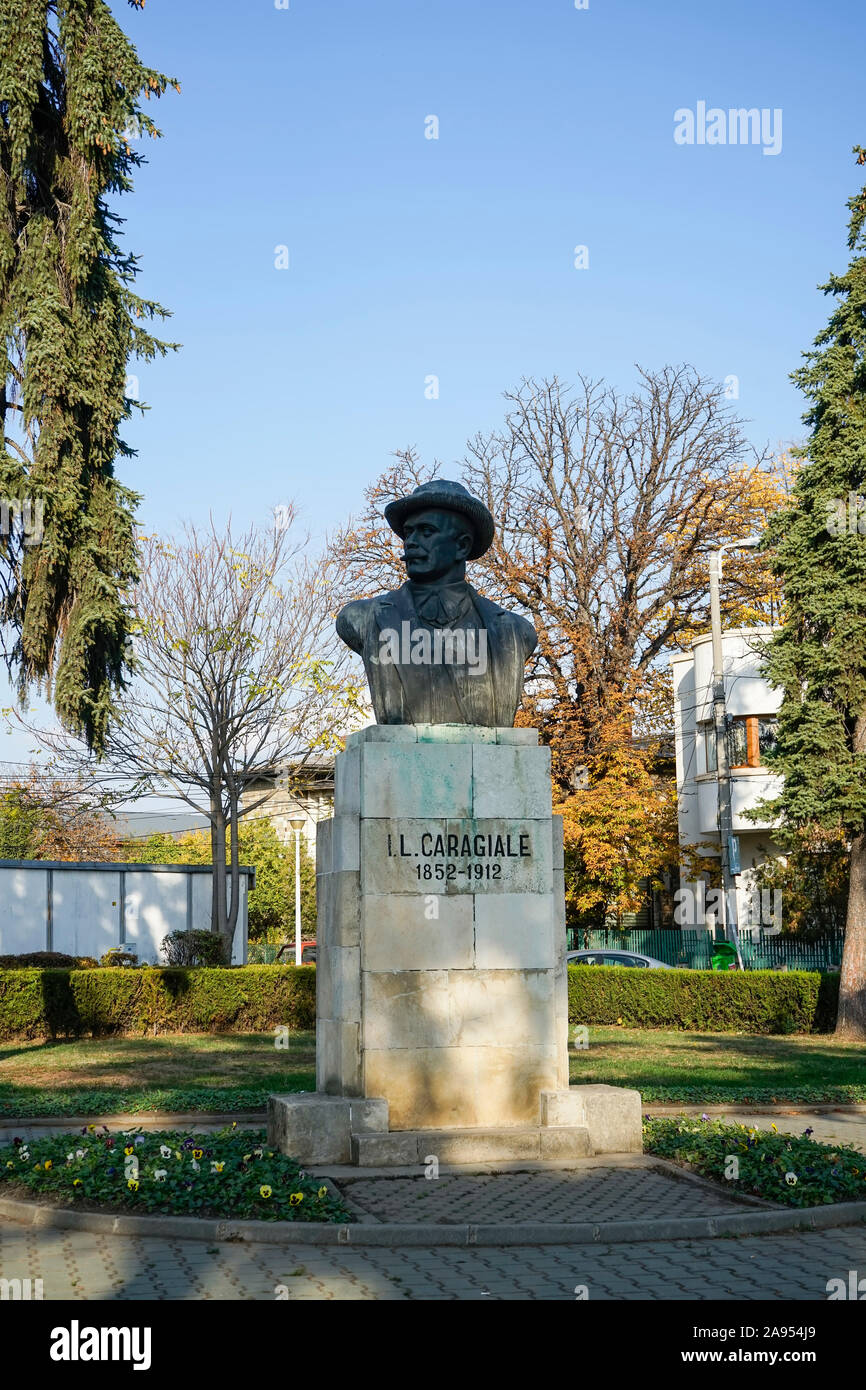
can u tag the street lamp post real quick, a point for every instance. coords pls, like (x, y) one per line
(723, 771)
(297, 824)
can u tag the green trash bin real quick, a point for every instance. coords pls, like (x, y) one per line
(724, 956)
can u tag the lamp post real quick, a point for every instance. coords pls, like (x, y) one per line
(723, 771)
(297, 824)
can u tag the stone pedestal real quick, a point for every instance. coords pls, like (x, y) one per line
(441, 991)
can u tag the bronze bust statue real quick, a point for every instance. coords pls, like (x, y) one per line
(435, 650)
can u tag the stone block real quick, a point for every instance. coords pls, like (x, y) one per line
(509, 1081)
(501, 1008)
(461, 1087)
(455, 733)
(391, 851)
(510, 781)
(311, 1129)
(345, 843)
(343, 898)
(613, 1117)
(368, 1115)
(384, 1150)
(563, 1108)
(563, 1070)
(347, 782)
(347, 983)
(517, 852)
(485, 1146)
(565, 1143)
(525, 737)
(433, 779)
(318, 1129)
(338, 1058)
(325, 1007)
(458, 1009)
(558, 843)
(514, 931)
(323, 847)
(399, 934)
(383, 733)
(406, 1009)
(344, 966)
(324, 912)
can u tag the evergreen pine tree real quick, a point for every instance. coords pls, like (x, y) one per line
(819, 657)
(70, 91)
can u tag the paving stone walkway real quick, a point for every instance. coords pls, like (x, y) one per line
(587, 1194)
(80, 1266)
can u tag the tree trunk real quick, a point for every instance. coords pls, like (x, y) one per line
(234, 877)
(851, 1019)
(218, 854)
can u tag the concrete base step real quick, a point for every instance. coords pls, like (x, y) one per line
(404, 1148)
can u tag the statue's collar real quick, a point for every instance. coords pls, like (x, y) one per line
(441, 604)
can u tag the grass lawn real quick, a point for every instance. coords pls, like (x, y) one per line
(723, 1068)
(188, 1071)
(237, 1071)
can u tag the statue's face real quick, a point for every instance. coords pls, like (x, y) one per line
(435, 543)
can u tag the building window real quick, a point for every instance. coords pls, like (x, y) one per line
(708, 741)
(749, 737)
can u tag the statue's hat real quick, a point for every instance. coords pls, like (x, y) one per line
(445, 496)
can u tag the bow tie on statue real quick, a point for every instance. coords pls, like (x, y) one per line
(442, 607)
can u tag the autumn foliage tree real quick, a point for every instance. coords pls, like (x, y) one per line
(43, 817)
(620, 830)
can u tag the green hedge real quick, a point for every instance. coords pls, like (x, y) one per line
(256, 998)
(748, 1001)
(69, 1003)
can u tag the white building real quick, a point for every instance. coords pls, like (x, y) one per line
(304, 791)
(751, 709)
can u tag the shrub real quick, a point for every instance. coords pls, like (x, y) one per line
(163, 999)
(710, 1001)
(115, 956)
(193, 948)
(45, 960)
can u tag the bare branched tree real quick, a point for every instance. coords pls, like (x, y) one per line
(237, 672)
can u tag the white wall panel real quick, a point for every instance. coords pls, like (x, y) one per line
(86, 911)
(23, 911)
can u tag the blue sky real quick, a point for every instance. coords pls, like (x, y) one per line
(305, 127)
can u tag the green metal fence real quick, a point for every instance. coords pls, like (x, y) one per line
(265, 953)
(694, 948)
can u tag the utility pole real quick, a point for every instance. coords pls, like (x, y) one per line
(297, 824)
(720, 725)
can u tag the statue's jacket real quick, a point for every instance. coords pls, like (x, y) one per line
(407, 692)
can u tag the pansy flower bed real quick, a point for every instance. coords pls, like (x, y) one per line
(791, 1170)
(232, 1173)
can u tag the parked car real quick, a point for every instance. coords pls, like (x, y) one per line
(308, 953)
(610, 957)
